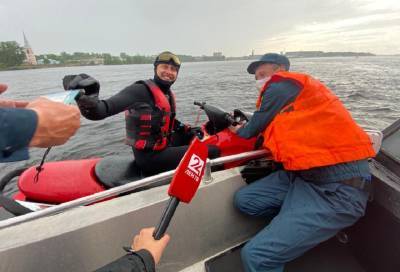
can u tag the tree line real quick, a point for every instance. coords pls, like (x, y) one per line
(12, 55)
(81, 57)
(123, 58)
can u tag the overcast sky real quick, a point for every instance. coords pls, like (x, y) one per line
(235, 27)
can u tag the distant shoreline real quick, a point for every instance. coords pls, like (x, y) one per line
(29, 67)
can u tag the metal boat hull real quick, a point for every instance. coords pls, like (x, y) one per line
(86, 238)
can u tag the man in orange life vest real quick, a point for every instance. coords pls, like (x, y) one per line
(324, 153)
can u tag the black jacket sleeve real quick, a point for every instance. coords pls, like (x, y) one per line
(139, 261)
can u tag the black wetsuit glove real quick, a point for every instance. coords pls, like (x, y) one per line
(87, 99)
(82, 81)
(86, 102)
(197, 131)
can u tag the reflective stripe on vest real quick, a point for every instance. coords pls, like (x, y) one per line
(150, 129)
(315, 130)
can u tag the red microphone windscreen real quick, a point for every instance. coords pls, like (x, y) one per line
(190, 171)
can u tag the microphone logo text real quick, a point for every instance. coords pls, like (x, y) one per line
(195, 167)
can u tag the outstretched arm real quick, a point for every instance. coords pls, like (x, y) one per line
(93, 108)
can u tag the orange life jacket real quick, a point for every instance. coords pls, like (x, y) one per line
(315, 130)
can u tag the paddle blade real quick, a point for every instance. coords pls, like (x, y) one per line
(190, 171)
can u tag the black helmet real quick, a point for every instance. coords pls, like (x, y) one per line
(169, 58)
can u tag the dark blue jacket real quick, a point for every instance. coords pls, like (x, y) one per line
(17, 127)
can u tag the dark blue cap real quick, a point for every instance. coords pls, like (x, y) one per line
(269, 58)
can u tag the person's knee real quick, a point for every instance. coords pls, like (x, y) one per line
(244, 202)
(240, 201)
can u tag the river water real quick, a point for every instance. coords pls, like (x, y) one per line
(368, 86)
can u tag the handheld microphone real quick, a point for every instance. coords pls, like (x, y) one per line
(185, 182)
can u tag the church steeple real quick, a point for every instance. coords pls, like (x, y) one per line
(30, 57)
(26, 43)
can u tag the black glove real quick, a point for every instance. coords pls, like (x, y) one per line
(86, 102)
(197, 131)
(189, 131)
(181, 127)
(82, 81)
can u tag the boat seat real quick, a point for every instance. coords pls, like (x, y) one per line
(376, 137)
(114, 171)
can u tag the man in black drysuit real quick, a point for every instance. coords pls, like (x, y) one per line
(158, 139)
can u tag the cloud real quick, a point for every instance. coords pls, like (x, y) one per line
(373, 5)
(377, 32)
(234, 27)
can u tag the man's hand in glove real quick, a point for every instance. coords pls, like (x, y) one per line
(82, 81)
(88, 98)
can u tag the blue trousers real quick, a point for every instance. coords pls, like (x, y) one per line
(304, 215)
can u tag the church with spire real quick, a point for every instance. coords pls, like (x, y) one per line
(30, 57)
